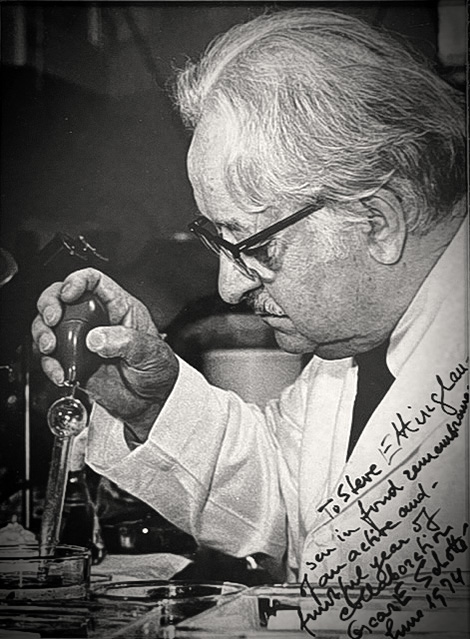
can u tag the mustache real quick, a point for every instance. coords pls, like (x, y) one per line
(262, 304)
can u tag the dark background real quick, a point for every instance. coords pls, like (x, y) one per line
(92, 144)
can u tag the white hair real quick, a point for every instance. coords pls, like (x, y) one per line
(323, 103)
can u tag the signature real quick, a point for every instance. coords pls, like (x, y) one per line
(391, 566)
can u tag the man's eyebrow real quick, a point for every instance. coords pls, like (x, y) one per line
(232, 225)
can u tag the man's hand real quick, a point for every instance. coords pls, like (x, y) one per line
(139, 369)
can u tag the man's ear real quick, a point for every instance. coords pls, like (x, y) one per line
(386, 227)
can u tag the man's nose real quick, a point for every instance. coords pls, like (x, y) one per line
(233, 284)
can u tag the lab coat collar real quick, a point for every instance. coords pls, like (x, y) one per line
(434, 292)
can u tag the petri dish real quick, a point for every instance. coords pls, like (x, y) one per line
(176, 600)
(26, 575)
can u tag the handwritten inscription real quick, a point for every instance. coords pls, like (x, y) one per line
(395, 556)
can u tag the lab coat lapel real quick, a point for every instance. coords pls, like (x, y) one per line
(322, 450)
(408, 414)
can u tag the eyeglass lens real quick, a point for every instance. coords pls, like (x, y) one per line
(239, 263)
(209, 240)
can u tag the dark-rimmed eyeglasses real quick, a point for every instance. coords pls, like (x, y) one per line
(201, 227)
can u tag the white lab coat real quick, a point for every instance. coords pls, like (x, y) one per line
(247, 481)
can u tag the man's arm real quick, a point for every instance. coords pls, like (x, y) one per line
(209, 465)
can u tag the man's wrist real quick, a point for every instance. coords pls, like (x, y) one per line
(137, 429)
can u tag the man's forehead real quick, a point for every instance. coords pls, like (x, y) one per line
(207, 157)
(212, 140)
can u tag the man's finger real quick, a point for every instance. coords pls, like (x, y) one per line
(53, 370)
(106, 289)
(49, 304)
(136, 348)
(43, 336)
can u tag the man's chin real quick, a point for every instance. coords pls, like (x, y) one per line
(291, 341)
(294, 343)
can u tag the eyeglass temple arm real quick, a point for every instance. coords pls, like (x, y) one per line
(279, 226)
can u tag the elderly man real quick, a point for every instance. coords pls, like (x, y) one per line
(329, 169)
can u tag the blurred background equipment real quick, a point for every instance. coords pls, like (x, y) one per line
(8, 267)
